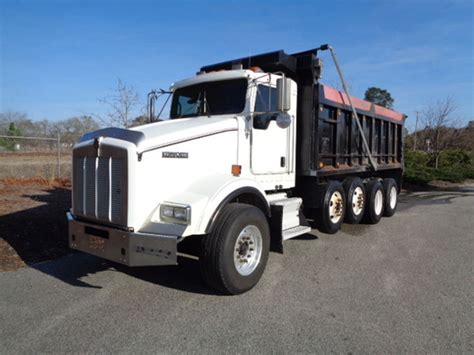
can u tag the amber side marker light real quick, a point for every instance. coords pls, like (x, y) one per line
(236, 170)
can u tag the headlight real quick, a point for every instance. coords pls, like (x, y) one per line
(175, 213)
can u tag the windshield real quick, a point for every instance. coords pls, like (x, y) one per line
(212, 98)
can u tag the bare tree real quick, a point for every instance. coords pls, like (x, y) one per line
(72, 129)
(466, 139)
(8, 117)
(121, 104)
(439, 129)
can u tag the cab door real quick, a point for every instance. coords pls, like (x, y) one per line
(269, 143)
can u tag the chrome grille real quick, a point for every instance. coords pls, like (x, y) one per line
(89, 186)
(118, 171)
(99, 188)
(103, 188)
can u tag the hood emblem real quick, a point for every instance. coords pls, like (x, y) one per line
(179, 155)
(97, 145)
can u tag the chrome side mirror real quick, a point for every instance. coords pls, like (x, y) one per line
(283, 94)
(283, 120)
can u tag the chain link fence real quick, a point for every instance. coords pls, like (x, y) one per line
(24, 157)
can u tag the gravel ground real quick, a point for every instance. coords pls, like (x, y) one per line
(405, 285)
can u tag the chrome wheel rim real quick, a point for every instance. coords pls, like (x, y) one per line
(378, 202)
(393, 197)
(248, 250)
(358, 201)
(335, 207)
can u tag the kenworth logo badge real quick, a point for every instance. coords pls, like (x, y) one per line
(179, 155)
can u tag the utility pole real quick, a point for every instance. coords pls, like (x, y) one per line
(59, 155)
(416, 129)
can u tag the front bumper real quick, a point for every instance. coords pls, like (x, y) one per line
(127, 248)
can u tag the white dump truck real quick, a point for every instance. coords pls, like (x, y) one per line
(253, 149)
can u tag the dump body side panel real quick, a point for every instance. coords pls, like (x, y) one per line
(336, 143)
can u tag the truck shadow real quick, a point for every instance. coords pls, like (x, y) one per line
(185, 276)
(78, 269)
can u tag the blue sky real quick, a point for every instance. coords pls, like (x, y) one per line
(58, 58)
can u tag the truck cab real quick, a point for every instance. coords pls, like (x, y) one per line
(223, 167)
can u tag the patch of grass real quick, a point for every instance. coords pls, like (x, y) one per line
(25, 165)
(455, 165)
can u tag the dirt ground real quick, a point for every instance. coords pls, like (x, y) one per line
(33, 226)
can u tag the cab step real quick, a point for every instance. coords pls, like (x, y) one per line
(295, 231)
(287, 221)
(290, 211)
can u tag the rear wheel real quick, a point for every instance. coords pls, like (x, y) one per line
(331, 215)
(234, 255)
(391, 196)
(374, 202)
(355, 195)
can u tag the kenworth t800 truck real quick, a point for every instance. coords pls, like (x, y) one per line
(254, 150)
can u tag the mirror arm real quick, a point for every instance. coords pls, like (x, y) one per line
(164, 105)
(152, 97)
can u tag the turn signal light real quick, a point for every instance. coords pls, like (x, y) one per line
(236, 170)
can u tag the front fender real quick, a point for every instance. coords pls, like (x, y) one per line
(205, 196)
(228, 192)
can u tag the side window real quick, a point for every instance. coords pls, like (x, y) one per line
(188, 105)
(266, 99)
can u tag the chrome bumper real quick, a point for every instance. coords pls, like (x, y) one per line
(128, 248)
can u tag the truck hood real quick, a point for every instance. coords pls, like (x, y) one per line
(170, 132)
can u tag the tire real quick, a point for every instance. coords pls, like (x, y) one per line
(390, 188)
(374, 202)
(355, 204)
(237, 228)
(331, 215)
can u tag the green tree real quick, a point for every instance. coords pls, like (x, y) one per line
(379, 96)
(12, 131)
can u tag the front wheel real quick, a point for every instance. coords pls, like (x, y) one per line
(234, 255)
